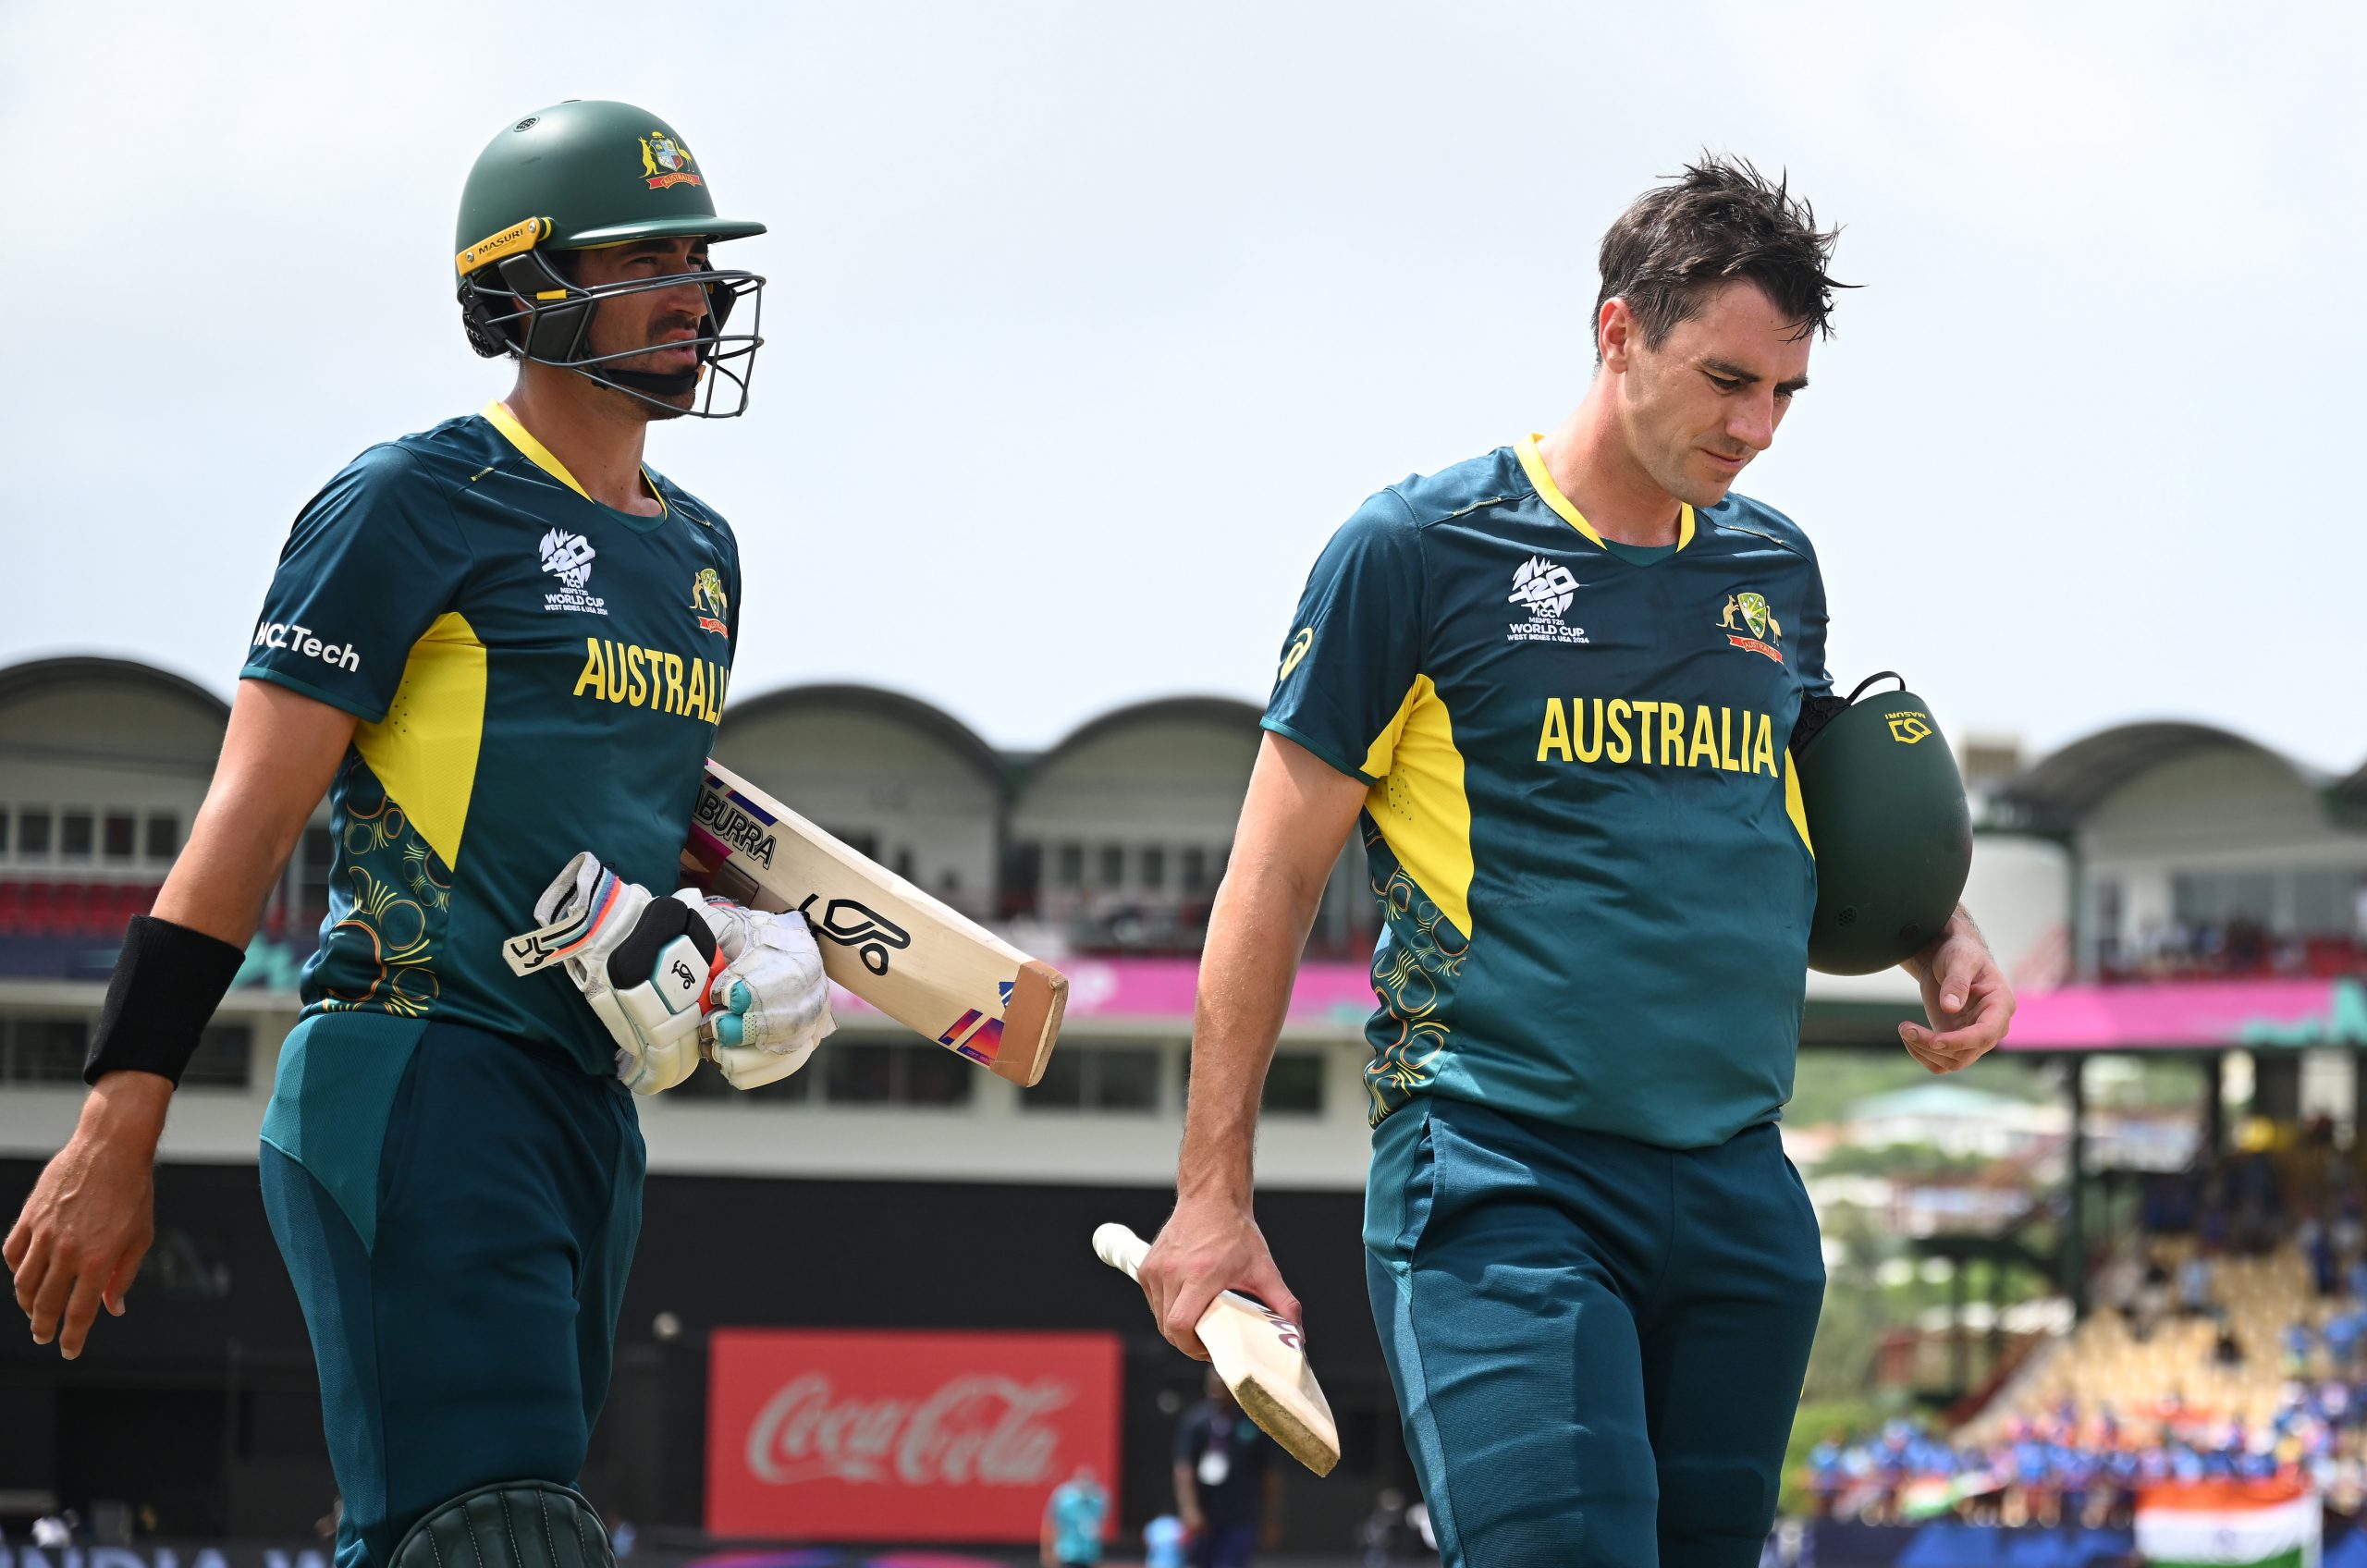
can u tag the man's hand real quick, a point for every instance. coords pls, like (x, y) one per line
(1965, 996)
(92, 1215)
(1205, 1248)
(771, 1002)
(643, 962)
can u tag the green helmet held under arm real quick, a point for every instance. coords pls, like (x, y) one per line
(576, 177)
(1889, 824)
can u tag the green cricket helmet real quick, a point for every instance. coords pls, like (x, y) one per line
(1889, 823)
(579, 176)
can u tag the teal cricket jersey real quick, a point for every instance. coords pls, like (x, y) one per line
(534, 673)
(1582, 823)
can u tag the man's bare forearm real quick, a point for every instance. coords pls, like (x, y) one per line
(1255, 933)
(235, 853)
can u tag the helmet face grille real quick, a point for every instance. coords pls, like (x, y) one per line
(517, 316)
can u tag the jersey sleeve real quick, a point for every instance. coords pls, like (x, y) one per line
(1349, 664)
(371, 561)
(1816, 681)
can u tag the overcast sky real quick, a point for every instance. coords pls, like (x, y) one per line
(1088, 322)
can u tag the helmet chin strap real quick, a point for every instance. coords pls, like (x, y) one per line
(672, 384)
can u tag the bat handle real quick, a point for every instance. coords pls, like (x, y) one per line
(1120, 1248)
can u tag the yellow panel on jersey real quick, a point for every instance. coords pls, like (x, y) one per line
(424, 750)
(1532, 463)
(1419, 804)
(1793, 807)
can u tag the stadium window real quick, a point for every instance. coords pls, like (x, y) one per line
(225, 1058)
(1195, 869)
(864, 844)
(119, 837)
(869, 1073)
(2319, 908)
(1295, 1084)
(6, 816)
(164, 837)
(1154, 866)
(1114, 865)
(45, 1050)
(77, 834)
(1096, 1078)
(933, 1076)
(904, 862)
(859, 1075)
(795, 1089)
(1072, 864)
(1063, 1085)
(33, 833)
(1127, 1079)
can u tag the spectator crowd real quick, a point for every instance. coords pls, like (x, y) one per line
(2085, 1463)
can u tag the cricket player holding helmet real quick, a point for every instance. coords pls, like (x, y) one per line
(1556, 684)
(493, 644)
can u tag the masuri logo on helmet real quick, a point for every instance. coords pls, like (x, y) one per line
(581, 176)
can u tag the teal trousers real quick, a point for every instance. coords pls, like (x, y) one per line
(1597, 1344)
(467, 1337)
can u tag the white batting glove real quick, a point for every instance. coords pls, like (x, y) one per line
(645, 964)
(770, 1005)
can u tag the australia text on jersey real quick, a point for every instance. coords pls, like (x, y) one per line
(652, 678)
(1660, 736)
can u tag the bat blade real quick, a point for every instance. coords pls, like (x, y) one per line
(922, 963)
(1261, 1358)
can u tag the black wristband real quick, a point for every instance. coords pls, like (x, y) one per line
(167, 981)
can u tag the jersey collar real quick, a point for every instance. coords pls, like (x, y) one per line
(1532, 463)
(498, 414)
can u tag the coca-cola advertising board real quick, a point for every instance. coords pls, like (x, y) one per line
(901, 1436)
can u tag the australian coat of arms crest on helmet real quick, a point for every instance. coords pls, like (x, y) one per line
(665, 162)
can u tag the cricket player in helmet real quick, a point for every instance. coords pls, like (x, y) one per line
(501, 647)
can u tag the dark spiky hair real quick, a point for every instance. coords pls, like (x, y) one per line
(1719, 222)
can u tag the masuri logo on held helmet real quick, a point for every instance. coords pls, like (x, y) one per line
(1908, 726)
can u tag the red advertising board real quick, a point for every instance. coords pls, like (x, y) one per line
(895, 1436)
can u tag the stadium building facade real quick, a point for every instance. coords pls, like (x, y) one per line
(889, 1184)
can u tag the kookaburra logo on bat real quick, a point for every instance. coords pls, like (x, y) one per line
(736, 828)
(852, 923)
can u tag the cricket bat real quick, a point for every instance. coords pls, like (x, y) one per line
(1261, 1358)
(928, 967)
